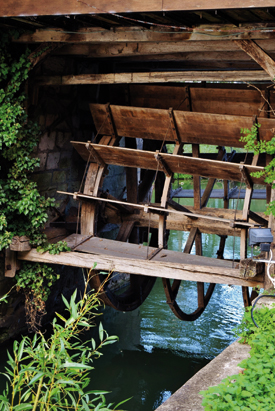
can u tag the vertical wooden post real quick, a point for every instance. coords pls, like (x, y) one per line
(271, 224)
(196, 180)
(10, 263)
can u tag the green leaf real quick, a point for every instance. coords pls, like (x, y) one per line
(100, 331)
(36, 377)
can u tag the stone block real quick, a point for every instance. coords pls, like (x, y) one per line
(53, 160)
(59, 177)
(43, 158)
(65, 159)
(47, 141)
(63, 140)
(43, 180)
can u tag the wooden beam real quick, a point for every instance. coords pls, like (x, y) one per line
(153, 209)
(198, 48)
(126, 157)
(59, 7)
(192, 127)
(94, 35)
(153, 77)
(189, 272)
(259, 55)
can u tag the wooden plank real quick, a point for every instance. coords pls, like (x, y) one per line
(95, 35)
(196, 179)
(211, 182)
(192, 127)
(59, 7)
(153, 77)
(21, 243)
(173, 50)
(10, 263)
(157, 267)
(244, 102)
(153, 209)
(258, 194)
(177, 164)
(258, 54)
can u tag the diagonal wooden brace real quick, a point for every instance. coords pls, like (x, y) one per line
(174, 126)
(163, 165)
(111, 120)
(246, 176)
(95, 155)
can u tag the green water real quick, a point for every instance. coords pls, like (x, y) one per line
(157, 353)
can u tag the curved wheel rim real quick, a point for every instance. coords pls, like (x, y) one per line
(171, 292)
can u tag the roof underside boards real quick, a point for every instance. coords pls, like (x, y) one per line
(68, 7)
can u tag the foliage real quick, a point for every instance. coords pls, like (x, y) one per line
(23, 209)
(254, 387)
(252, 143)
(53, 374)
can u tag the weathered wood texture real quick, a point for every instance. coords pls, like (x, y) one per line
(258, 54)
(177, 164)
(110, 255)
(181, 222)
(95, 35)
(10, 263)
(20, 243)
(244, 102)
(251, 268)
(153, 77)
(192, 127)
(57, 7)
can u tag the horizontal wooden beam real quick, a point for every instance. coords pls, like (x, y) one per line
(153, 77)
(125, 49)
(189, 272)
(94, 35)
(24, 8)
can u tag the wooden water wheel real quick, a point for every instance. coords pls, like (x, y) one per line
(158, 168)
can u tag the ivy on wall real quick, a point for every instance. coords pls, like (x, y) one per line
(23, 211)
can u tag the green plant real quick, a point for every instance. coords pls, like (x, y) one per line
(23, 209)
(53, 374)
(254, 387)
(252, 143)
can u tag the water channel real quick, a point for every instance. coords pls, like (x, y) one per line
(157, 353)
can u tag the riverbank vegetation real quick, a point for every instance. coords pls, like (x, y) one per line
(253, 389)
(54, 374)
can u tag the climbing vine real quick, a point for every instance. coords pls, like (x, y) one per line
(23, 211)
(252, 143)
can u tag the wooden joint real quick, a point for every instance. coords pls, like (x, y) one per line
(95, 155)
(257, 218)
(163, 165)
(11, 264)
(20, 243)
(111, 120)
(174, 126)
(154, 253)
(246, 176)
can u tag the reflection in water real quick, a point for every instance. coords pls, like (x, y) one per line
(160, 353)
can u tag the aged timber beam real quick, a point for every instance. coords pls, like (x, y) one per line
(10, 8)
(94, 35)
(189, 272)
(153, 77)
(258, 54)
(120, 50)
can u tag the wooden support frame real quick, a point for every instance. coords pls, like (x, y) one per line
(162, 164)
(95, 155)
(174, 126)
(246, 177)
(259, 55)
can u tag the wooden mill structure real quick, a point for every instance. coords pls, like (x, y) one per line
(172, 74)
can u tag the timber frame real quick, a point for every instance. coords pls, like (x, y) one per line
(175, 75)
